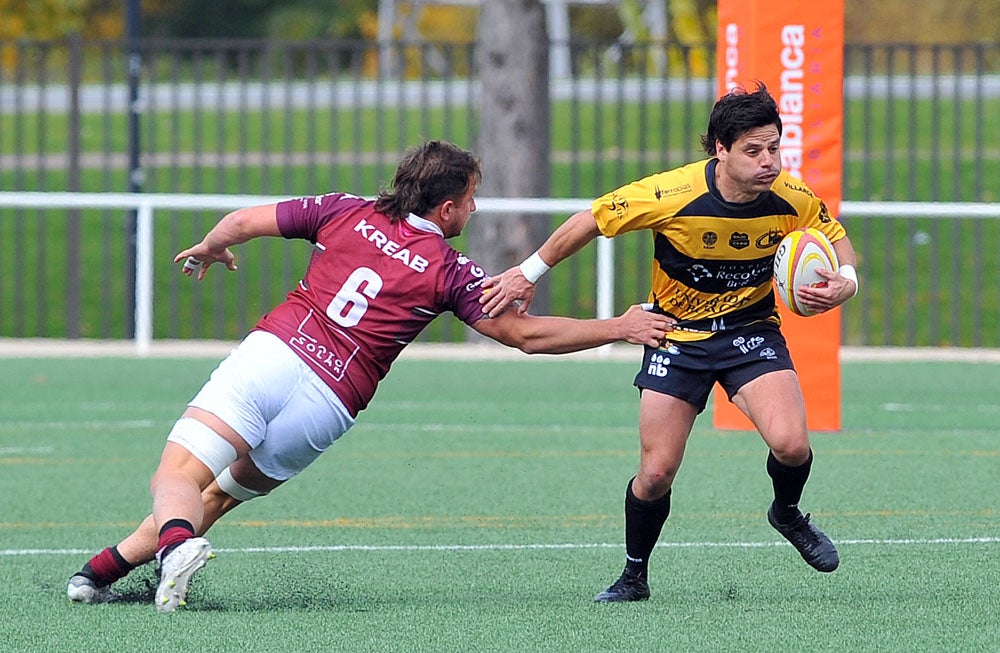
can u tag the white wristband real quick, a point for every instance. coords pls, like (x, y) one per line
(848, 272)
(533, 268)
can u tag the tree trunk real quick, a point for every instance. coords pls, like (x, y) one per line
(514, 140)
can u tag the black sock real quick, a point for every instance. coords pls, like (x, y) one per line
(122, 562)
(788, 483)
(643, 522)
(172, 534)
(106, 567)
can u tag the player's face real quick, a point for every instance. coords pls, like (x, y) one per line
(750, 166)
(460, 211)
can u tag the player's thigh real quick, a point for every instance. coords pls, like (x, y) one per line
(251, 386)
(178, 462)
(774, 403)
(312, 420)
(665, 423)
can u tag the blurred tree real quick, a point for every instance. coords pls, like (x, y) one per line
(214, 19)
(52, 19)
(514, 137)
(954, 21)
(928, 21)
(596, 22)
(57, 18)
(276, 19)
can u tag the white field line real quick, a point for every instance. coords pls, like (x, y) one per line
(218, 349)
(339, 548)
(85, 424)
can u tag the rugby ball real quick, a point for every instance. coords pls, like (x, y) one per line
(799, 255)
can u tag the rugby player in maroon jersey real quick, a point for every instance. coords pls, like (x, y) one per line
(381, 271)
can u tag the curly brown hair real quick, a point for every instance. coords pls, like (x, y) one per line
(428, 175)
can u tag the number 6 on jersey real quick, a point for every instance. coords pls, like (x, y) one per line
(348, 306)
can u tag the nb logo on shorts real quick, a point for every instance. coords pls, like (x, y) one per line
(746, 345)
(658, 365)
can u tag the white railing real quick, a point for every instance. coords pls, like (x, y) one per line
(145, 204)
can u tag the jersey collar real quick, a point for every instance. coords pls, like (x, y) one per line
(423, 224)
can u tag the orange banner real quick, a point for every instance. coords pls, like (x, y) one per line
(797, 50)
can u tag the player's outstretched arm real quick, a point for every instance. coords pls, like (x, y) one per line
(235, 228)
(518, 283)
(560, 335)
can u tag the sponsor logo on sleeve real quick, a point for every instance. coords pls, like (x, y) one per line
(620, 205)
(824, 213)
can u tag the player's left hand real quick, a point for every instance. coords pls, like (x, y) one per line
(199, 258)
(643, 327)
(501, 291)
(831, 293)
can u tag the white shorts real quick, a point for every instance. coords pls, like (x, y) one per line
(271, 398)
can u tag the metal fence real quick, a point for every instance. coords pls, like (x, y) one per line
(286, 119)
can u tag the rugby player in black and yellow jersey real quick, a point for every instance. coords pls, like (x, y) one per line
(716, 225)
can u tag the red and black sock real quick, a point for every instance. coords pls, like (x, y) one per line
(106, 567)
(173, 534)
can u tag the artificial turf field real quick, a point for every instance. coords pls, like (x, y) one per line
(476, 506)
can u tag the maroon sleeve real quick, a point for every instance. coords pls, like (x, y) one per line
(463, 280)
(303, 217)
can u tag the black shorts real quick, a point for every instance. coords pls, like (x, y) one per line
(688, 370)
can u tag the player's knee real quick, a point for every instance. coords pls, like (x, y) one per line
(654, 481)
(792, 451)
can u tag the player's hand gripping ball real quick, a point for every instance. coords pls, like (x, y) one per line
(799, 255)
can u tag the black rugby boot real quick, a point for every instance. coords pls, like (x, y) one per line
(814, 547)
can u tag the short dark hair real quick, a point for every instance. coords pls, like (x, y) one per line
(428, 175)
(736, 113)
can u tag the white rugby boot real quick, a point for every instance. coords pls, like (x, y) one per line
(83, 590)
(176, 570)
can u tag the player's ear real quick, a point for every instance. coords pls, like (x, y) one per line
(445, 209)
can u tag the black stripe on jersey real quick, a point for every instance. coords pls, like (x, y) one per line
(756, 312)
(708, 205)
(713, 205)
(711, 276)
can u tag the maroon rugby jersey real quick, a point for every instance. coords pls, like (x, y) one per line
(370, 288)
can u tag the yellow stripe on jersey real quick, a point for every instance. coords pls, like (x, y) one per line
(712, 260)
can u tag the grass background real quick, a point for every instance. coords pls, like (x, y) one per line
(476, 506)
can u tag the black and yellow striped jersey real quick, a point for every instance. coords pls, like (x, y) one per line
(712, 259)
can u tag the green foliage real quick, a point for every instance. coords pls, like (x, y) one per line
(216, 19)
